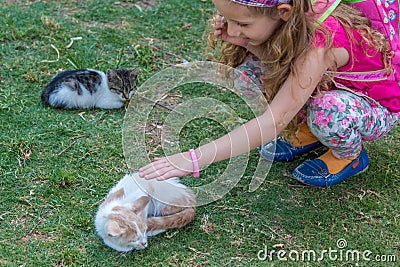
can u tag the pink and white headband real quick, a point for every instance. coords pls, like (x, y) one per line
(261, 3)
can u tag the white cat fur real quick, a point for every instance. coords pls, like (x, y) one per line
(161, 193)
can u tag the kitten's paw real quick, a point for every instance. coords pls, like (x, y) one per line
(155, 232)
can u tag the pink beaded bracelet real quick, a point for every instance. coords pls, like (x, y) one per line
(196, 168)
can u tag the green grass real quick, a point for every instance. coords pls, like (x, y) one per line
(56, 166)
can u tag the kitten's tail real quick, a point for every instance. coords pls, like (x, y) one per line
(176, 220)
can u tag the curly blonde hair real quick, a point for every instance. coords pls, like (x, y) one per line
(291, 40)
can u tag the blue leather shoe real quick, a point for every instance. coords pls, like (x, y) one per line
(315, 172)
(281, 150)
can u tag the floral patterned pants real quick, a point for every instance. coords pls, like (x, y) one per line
(341, 120)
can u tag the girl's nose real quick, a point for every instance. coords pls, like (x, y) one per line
(233, 30)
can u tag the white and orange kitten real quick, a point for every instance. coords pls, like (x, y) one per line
(136, 208)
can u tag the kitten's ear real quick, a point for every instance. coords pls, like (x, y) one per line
(133, 73)
(113, 229)
(110, 74)
(113, 196)
(140, 204)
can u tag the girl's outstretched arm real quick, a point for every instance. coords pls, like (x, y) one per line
(287, 103)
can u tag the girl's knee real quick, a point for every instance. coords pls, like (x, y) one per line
(328, 113)
(332, 100)
(250, 80)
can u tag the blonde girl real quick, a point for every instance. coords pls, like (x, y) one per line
(309, 105)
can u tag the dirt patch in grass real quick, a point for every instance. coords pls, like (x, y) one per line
(142, 4)
(146, 4)
(154, 127)
(37, 236)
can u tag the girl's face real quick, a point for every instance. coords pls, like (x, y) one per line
(241, 22)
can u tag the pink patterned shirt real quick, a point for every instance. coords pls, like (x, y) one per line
(362, 59)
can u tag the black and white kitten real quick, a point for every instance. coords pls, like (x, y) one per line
(88, 88)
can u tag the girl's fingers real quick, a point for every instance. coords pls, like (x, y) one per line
(167, 167)
(155, 171)
(160, 169)
(149, 168)
(220, 18)
(218, 22)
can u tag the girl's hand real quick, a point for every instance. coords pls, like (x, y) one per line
(177, 165)
(221, 32)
